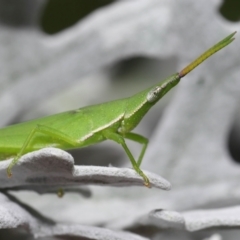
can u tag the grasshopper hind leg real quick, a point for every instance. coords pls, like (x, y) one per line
(52, 132)
(10, 166)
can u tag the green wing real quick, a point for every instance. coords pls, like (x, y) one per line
(82, 124)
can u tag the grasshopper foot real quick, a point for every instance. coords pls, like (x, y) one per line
(60, 192)
(10, 166)
(147, 184)
(9, 172)
(145, 179)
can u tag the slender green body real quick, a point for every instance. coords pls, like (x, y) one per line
(78, 124)
(89, 125)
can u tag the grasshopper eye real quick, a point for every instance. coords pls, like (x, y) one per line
(153, 94)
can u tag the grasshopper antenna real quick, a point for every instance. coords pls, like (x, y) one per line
(223, 43)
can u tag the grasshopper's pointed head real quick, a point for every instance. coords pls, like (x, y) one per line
(138, 105)
(158, 91)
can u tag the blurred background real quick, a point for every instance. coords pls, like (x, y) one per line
(59, 55)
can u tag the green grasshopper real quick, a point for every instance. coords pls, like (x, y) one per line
(89, 125)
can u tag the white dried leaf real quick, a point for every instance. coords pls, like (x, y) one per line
(88, 232)
(197, 219)
(14, 214)
(53, 167)
(214, 237)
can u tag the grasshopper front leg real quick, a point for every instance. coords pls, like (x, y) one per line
(116, 137)
(139, 139)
